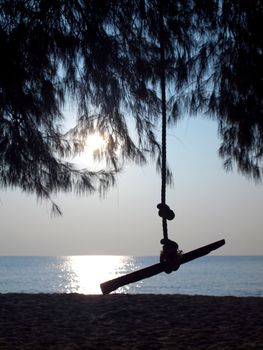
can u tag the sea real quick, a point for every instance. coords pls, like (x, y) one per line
(239, 276)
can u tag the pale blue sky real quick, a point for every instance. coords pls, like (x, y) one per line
(209, 203)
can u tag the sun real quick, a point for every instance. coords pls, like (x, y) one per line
(95, 142)
(91, 156)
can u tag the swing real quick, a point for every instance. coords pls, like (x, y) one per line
(171, 258)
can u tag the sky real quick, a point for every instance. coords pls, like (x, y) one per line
(209, 203)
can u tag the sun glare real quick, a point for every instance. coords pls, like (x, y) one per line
(95, 142)
(90, 271)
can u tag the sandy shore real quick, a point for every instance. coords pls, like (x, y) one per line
(73, 321)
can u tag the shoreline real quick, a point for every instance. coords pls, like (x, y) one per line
(129, 321)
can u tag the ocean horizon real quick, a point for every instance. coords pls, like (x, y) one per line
(209, 275)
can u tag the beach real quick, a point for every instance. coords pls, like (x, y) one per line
(118, 321)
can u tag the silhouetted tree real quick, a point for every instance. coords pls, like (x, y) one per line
(105, 57)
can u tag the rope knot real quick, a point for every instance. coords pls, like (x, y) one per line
(170, 256)
(165, 212)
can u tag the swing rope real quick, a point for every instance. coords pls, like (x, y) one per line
(164, 211)
(163, 99)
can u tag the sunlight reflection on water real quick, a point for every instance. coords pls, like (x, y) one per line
(85, 273)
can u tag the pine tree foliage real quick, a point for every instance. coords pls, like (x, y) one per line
(104, 56)
(238, 86)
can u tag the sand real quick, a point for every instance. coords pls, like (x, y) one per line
(75, 321)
